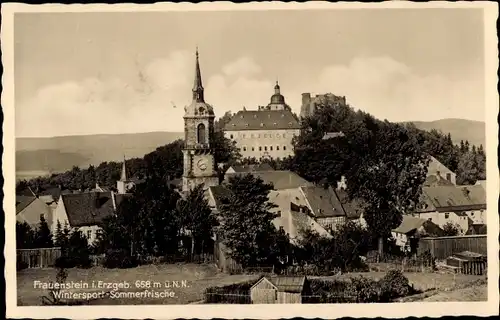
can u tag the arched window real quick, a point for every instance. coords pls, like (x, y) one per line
(201, 133)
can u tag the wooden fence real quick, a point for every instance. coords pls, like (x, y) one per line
(39, 257)
(443, 247)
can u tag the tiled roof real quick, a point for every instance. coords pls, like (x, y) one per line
(454, 196)
(323, 202)
(262, 120)
(252, 167)
(433, 181)
(281, 179)
(408, 224)
(435, 165)
(217, 194)
(289, 283)
(22, 202)
(477, 229)
(88, 209)
(353, 208)
(293, 221)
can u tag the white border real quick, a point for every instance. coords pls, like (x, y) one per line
(393, 310)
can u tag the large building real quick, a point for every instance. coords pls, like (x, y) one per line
(266, 132)
(310, 104)
(199, 161)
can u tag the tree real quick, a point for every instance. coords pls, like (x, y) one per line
(25, 236)
(246, 227)
(196, 218)
(59, 237)
(451, 229)
(43, 234)
(147, 222)
(467, 171)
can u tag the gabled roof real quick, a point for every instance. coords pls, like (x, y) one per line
(477, 229)
(281, 179)
(352, 208)
(88, 209)
(289, 283)
(434, 181)
(263, 120)
(435, 165)
(216, 194)
(409, 224)
(323, 202)
(454, 196)
(22, 202)
(252, 167)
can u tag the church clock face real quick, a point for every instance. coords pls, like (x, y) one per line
(202, 164)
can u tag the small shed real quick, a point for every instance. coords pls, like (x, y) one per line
(280, 289)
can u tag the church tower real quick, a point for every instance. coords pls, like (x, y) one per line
(199, 162)
(122, 185)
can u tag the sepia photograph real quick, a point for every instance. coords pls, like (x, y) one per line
(226, 155)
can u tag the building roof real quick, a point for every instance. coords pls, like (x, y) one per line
(409, 224)
(435, 166)
(454, 196)
(281, 179)
(252, 167)
(216, 194)
(88, 209)
(323, 202)
(330, 135)
(262, 120)
(477, 229)
(434, 181)
(352, 208)
(22, 202)
(289, 283)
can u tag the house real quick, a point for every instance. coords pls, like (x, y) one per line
(481, 183)
(249, 168)
(476, 229)
(280, 179)
(280, 289)
(325, 206)
(266, 132)
(438, 173)
(411, 229)
(460, 205)
(31, 209)
(86, 211)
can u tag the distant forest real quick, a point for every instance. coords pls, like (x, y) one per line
(466, 160)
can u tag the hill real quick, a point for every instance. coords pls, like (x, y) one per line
(460, 129)
(37, 156)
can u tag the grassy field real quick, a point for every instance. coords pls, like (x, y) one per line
(197, 277)
(448, 287)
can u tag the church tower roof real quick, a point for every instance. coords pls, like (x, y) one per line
(198, 91)
(198, 106)
(277, 97)
(123, 177)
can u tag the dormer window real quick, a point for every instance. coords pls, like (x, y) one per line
(255, 116)
(246, 124)
(275, 124)
(261, 124)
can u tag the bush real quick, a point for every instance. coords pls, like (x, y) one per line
(119, 259)
(20, 265)
(394, 285)
(67, 262)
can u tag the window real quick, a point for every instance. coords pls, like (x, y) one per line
(243, 135)
(279, 213)
(265, 148)
(284, 135)
(278, 148)
(265, 135)
(448, 176)
(284, 148)
(251, 135)
(42, 216)
(271, 148)
(244, 148)
(260, 148)
(201, 133)
(231, 136)
(89, 234)
(446, 215)
(430, 219)
(253, 149)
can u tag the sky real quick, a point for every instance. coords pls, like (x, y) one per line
(110, 72)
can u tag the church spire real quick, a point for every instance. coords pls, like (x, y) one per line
(124, 171)
(197, 87)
